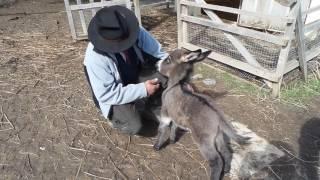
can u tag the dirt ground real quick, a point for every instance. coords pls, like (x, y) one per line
(50, 129)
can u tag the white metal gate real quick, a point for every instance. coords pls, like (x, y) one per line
(80, 12)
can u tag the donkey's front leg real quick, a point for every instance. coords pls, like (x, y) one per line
(163, 130)
(173, 132)
(176, 132)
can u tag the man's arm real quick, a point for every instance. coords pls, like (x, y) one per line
(150, 45)
(104, 85)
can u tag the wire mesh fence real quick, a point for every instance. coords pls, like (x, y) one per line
(152, 11)
(79, 28)
(312, 39)
(267, 54)
(214, 39)
(238, 73)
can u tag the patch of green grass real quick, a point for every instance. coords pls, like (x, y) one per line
(230, 82)
(238, 85)
(298, 93)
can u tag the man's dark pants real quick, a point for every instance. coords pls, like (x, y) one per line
(138, 117)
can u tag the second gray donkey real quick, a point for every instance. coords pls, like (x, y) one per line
(186, 109)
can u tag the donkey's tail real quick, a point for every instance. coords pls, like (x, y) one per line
(227, 128)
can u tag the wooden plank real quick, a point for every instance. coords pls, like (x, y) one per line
(284, 53)
(136, 4)
(311, 10)
(291, 65)
(175, 5)
(97, 5)
(279, 40)
(94, 11)
(281, 66)
(235, 42)
(312, 26)
(82, 37)
(236, 11)
(82, 19)
(154, 5)
(301, 45)
(179, 24)
(70, 19)
(313, 53)
(184, 11)
(269, 75)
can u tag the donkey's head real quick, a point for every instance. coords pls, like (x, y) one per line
(179, 63)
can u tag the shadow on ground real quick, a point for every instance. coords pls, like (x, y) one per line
(304, 166)
(309, 143)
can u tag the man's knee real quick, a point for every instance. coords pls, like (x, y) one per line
(126, 118)
(132, 129)
(127, 127)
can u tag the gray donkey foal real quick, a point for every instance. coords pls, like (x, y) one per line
(183, 108)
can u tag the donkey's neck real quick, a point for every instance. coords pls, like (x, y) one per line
(180, 74)
(179, 77)
(179, 88)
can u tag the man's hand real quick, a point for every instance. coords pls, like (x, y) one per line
(152, 86)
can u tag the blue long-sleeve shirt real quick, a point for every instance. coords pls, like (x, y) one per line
(105, 77)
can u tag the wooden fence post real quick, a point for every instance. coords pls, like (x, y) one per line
(284, 53)
(70, 19)
(179, 23)
(300, 38)
(175, 4)
(136, 4)
(182, 26)
(82, 20)
(94, 11)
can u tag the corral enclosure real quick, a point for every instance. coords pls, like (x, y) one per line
(258, 52)
(262, 41)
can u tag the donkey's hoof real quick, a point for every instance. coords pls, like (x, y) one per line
(156, 147)
(227, 169)
(185, 129)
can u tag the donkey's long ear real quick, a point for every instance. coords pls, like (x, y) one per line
(196, 56)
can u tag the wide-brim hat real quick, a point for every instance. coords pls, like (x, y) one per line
(113, 29)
